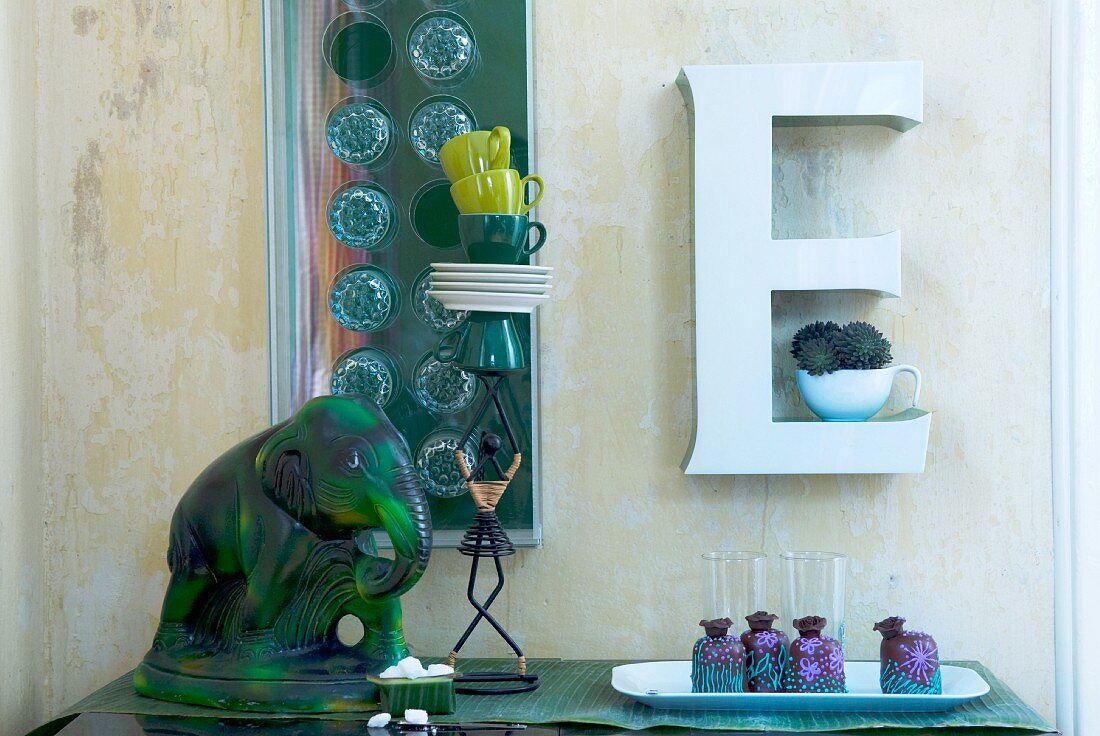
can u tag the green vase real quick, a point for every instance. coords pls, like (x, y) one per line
(487, 343)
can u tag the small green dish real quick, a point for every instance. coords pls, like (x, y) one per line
(436, 695)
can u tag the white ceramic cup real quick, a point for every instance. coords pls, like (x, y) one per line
(852, 395)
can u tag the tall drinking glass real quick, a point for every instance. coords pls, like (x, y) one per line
(814, 586)
(734, 585)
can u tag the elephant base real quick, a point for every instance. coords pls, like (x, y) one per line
(319, 680)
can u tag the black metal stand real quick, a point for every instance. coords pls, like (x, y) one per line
(486, 539)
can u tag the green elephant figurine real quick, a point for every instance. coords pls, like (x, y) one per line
(271, 546)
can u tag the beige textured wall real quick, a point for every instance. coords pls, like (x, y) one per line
(151, 200)
(151, 167)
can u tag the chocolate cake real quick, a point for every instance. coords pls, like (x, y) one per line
(717, 661)
(816, 664)
(909, 660)
(766, 654)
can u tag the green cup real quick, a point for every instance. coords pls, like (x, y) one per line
(487, 343)
(493, 238)
(497, 190)
(475, 152)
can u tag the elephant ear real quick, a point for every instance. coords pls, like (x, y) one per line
(284, 470)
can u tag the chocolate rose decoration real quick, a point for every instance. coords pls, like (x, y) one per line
(810, 626)
(717, 626)
(890, 627)
(761, 620)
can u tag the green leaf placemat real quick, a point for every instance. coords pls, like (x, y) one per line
(579, 692)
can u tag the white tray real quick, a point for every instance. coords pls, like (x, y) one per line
(668, 685)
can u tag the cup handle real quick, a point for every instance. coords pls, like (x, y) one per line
(444, 351)
(526, 207)
(916, 380)
(529, 249)
(500, 148)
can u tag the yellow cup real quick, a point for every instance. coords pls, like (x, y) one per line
(476, 152)
(497, 191)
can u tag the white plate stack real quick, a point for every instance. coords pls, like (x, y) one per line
(490, 287)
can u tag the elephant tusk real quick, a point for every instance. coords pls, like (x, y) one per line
(404, 546)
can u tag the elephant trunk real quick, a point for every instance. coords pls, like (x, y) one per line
(405, 517)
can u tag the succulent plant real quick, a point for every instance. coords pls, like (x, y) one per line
(817, 356)
(812, 331)
(860, 346)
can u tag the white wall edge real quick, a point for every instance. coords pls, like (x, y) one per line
(1075, 353)
(275, 178)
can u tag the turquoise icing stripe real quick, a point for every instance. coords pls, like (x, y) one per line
(761, 670)
(720, 677)
(895, 681)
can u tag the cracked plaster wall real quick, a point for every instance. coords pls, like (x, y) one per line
(150, 194)
(150, 169)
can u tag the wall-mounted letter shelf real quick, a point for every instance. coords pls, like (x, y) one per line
(733, 110)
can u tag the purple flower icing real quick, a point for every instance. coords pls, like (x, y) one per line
(921, 659)
(808, 670)
(810, 645)
(768, 638)
(836, 660)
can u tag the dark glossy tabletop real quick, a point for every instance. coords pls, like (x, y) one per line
(89, 724)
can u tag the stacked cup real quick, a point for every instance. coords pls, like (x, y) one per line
(494, 227)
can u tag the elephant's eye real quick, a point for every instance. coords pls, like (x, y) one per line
(353, 461)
